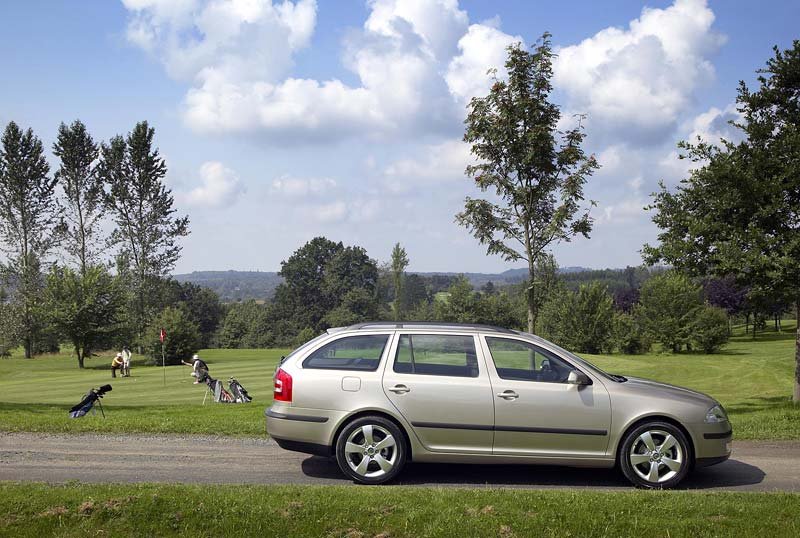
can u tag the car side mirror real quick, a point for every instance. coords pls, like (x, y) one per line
(576, 377)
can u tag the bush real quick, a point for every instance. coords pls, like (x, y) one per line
(629, 337)
(581, 321)
(710, 329)
(246, 325)
(668, 309)
(183, 337)
(304, 336)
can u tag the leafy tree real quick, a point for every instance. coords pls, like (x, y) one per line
(200, 304)
(399, 264)
(414, 291)
(147, 229)
(710, 330)
(628, 335)
(668, 308)
(536, 171)
(304, 336)
(357, 305)
(348, 269)
(183, 336)
(460, 305)
(83, 307)
(29, 224)
(738, 212)
(246, 325)
(83, 192)
(10, 326)
(582, 321)
(301, 296)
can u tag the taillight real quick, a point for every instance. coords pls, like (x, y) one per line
(283, 386)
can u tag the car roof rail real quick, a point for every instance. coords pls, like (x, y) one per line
(428, 324)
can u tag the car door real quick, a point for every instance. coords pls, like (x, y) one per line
(536, 411)
(438, 383)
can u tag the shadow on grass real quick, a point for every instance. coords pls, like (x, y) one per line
(763, 404)
(728, 474)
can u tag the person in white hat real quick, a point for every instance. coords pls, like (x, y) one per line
(199, 368)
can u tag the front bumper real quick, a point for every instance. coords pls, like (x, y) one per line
(712, 442)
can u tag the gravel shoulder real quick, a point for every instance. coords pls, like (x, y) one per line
(95, 458)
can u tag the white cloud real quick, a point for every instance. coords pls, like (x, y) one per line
(636, 82)
(713, 125)
(482, 48)
(435, 163)
(294, 187)
(220, 186)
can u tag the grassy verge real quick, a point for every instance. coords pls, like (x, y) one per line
(752, 379)
(358, 512)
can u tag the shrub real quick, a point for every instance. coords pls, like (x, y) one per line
(304, 336)
(183, 337)
(580, 321)
(668, 309)
(629, 337)
(710, 328)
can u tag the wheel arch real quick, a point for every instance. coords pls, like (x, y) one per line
(656, 418)
(374, 412)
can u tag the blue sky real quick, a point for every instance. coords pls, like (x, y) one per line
(281, 121)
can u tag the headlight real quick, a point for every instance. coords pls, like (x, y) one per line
(716, 414)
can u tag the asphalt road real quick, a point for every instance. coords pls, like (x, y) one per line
(754, 466)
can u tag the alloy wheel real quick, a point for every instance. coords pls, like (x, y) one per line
(371, 451)
(656, 456)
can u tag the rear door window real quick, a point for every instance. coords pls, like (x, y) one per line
(436, 354)
(521, 361)
(361, 352)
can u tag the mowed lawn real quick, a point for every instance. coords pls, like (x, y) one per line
(751, 378)
(363, 512)
(36, 394)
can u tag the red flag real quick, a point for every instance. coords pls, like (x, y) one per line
(162, 335)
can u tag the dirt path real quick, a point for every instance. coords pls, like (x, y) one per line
(755, 466)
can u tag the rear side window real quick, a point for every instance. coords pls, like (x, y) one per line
(349, 353)
(435, 354)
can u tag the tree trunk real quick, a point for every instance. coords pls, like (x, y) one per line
(796, 397)
(532, 310)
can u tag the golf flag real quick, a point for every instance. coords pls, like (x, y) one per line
(162, 335)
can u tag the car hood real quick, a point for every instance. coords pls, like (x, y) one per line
(673, 392)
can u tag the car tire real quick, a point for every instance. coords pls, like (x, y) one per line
(371, 450)
(655, 455)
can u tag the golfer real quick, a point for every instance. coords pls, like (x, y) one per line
(126, 361)
(116, 364)
(199, 369)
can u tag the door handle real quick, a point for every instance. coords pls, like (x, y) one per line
(399, 389)
(508, 395)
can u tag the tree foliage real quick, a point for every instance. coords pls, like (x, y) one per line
(536, 172)
(582, 320)
(710, 331)
(83, 192)
(738, 212)
(668, 308)
(399, 264)
(29, 224)
(147, 228)
(182, 341)
(85, 308)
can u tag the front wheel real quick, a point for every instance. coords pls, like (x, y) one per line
(371, 450)
(655, 455)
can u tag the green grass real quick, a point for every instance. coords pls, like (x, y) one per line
(752, 379)
(358, 512)
(36, 394)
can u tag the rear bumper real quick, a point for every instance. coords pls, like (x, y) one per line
(299, 427)
(307, 448)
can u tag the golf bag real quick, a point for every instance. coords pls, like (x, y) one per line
(217, 388)
(239, 392)
(86, 405)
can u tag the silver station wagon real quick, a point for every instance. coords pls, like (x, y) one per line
(376, 395)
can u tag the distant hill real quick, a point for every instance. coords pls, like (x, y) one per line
(232, 286)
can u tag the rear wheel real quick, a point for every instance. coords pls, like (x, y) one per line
(371, 450)
(655, 455)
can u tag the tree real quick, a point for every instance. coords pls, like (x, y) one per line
(182, 341)
(246, 325)
(668, 309)
(738, 213)
(10, 326)
(83, 192)
(710, 330)
(29, 223)
(147, 229)
(399, 264)
(536, 171)
(628, 335)
(84, 307)
(460, 305)
(581, 320)
(201, 305)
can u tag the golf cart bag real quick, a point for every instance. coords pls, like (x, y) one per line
(239, 392)
(218, 390)
(87, 404)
